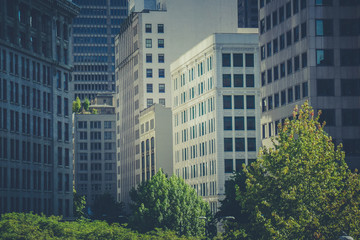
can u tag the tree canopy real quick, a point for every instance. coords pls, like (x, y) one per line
(106, 208)
(302, 187)
(168, 203)
(76, 106)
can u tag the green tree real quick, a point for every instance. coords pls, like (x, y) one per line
(76, 106)
(170, 204)
(105, 207)
(86, 104)
(94, 111)
(79, 204)
(301, 188)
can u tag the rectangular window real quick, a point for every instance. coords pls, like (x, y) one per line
(324, 27)
(250, 80)
(325, 87)
(249, 60)
(328, 115)
(238, 102)
(227, 123)
(276, 100)
(149, 102)
(148, 43)
(283, 98)
(148, 28)
(268, 22)
(275, 46)
(270, 103)
(161, 58)
(239, 145)
(288, 9)
(297, 92)
(281, 14)
(228, 165)
(226, 80)
(303, 4)
(288, 38)
(324, 57)
(323, 2)
(274, 18)
(161, 72)
(239, 123)
(250, 122)
(276, 73)
(269, 75)
(226, 60)
(303, 30)
(295, 6)
(250, 102)
(149, 88)
(350, 117)
(282, 70)
(160, 28)
(160, 43)
(282, 42)
(290, 95)
(238, 59)
(350, 57)
(161, 88)
(251, 142)
(268, 49)
(296, 63)
(289, 66)
(149, 73)
(238, 80)
(227, 102)
(228, 144)
(305, 90)
(350, 87)
(149, 58)
(296, 34)
(304, 60)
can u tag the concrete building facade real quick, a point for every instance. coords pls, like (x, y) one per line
(310, 51)
(94, 31)
(156, 141)
(248, 13)
(216, 111)
(35, 114)
(95, 152)
(149, 42)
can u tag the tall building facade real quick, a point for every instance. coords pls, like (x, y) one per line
(216, 111)
(35, 114)
(156, 141)
(248, 13)
(310, 51)
(93, 36)
(148, 42)
(95, 156)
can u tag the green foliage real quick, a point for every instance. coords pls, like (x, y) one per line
(94, 111)
(106, 208)
(86, 104)
(170, 204)
(76, 106)
(301, 188)
(79, 204)
(35, 227)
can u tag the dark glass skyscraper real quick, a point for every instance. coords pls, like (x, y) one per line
(247, 13)
(93, 37)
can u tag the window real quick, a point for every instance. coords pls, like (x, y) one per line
(268, 49)
(227, 123)
(276, 100)
(262, 26)
(350, 57)
(263, 104)
(297, 92)
(263, 79)
(275, 46)
(250, 123)
(149, 73)
(239, 163)
(148, 28)
(323, 2)
(296, 34)
(350, 117)
(349, 27)
(250, 102)
(274, 18)
(295, 6)
(239, 144)
(288, 38)
(283, 98)
(303, 30)
(263, 54)
(161, 88)
(228, 165)
(325, 87)
(160, 43)
(149, 102)
(305, 90)
(148, 43)
(290, 95)
(276, 73)
(249, 60)
(162, 101)
(350, 87)
(268, 22)
(250, 80)
(161, 73)
(270, 102)
(324, 27)
(304, 60)
(238, 102)
(303, 4)
(226, 80)
(238, 59)
(161, 58)
(269, 75)
(289, 66)
(59, 131)
(149, 88)
(281, 14)
(328, 115)
(282, 70)
(296, 63)
(288, 9)
(238, 80)
(239, 123)
(149, 58)
(227, 102)
(324, 57)
(251, 142)
(282, 41)
(228, 144)
(160, 28)
(226, 60)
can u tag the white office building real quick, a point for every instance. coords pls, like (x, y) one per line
(216, 111)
